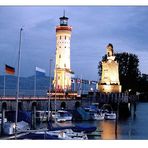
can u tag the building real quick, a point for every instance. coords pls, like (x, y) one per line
(110, 73)
(62, 73)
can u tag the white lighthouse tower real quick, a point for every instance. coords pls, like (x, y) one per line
(62, 73)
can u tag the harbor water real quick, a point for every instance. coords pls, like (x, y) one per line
(132, 128)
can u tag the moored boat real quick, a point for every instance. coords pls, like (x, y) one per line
(9, 127)
(110, 116)
(5, 120)
(98, 116)
(61, 134)
(62, 115)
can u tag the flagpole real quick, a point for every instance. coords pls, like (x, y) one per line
(18, 79)
(55, 89)
(77, 84)
(4, 85)
(74, 85)
(55, 103)
(49, 95)
(35, 84)
(81, 85)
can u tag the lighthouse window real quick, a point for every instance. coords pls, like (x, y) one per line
(60, 37)
(64, 65)
(59, 56)
(65, 46)
(65, 37)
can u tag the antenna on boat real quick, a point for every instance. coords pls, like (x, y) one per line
(64, 13)
(18, 79)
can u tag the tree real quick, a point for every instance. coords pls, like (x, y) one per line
(129, 73)
(143, 83)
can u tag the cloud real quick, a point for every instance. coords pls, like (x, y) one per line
(93, 28)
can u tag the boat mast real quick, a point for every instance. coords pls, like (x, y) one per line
(18, 79)
(4, 85)
(35, 83)
(49, 95)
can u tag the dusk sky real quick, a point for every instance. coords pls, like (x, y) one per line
(93, 28)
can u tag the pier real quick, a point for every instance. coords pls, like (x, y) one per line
(41, 103)
(125, 105)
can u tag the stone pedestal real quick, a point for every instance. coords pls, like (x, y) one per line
(110, 88)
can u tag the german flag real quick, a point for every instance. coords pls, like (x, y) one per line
(9, 69)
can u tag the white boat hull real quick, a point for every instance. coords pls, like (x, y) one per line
(110, 116)
(97, 116)
(62, 116)
(66, 134)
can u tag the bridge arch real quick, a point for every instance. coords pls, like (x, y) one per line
(4, 105)
(63, 105)
(20, 105)
(33, 105)
(77, 104)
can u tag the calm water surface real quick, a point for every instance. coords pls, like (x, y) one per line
(132, 128)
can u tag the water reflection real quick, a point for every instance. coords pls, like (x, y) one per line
(108, 127)
(134, 127)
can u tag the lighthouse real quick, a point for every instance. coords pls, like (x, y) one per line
(62, 72)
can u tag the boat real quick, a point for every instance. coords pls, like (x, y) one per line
(108, 112)
(84, 128)
(62, 116)
(110, 116)
(5, 119)
(37, 136)
(9, 127)
(41, 116)
(66, 134)
(61, 133)
(92, 107)
(95, 112)
(98, 116)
